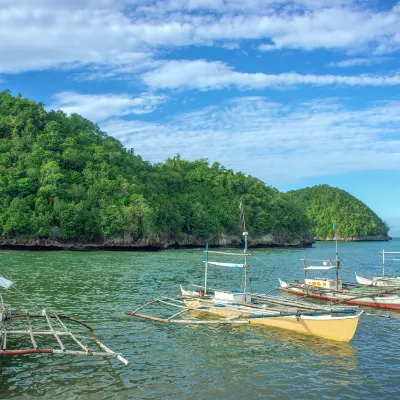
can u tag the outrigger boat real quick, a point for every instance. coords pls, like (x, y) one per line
(242, 307)
(47, 333)
(384, 280)
(337, 292)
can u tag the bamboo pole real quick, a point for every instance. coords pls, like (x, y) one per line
(190, 321)
(4, 343)
(178, 313)
(53, 351)
(300, 304)
(208, 322)
(107, 350)
(372, 295)
(22, 352)
(143, 306)
(55, 334)
(146, 317)
(79, 343)
(34, 345)
(37, 332)
(22, 315)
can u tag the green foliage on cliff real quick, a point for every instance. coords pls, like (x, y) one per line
(63, 178)
(325, 205)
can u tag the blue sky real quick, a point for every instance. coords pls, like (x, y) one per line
(294, 92)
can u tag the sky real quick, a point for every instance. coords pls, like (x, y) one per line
(294, 92)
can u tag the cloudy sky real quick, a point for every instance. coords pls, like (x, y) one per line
(294, 92)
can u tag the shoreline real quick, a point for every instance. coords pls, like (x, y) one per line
(87, 247)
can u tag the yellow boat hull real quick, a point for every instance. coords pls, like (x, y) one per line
(338, 328)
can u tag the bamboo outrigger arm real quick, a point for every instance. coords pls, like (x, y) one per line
(178, 303)
(189, 321)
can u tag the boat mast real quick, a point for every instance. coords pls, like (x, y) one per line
(245, 234)
(383, 262)
(337, 262)
(205, 272)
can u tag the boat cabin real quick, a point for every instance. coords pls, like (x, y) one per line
(324, 282)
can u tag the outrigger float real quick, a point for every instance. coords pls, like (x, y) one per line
(46, 333)
(337, 292)
(230, 307)
(384, 280)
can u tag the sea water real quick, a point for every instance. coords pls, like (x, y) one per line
(170, 361)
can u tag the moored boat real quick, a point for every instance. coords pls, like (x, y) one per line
(384, 280)
(242, 307)
(337, 292)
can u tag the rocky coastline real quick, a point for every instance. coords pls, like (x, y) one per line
(377, 238)
(158, 242)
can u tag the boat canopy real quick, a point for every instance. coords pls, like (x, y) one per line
(5, 283)
(223, 264)
(319, 268)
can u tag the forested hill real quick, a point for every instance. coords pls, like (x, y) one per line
(65, 183)
(325, 206)
(63, 180)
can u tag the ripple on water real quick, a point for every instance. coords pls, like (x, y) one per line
(196, 362)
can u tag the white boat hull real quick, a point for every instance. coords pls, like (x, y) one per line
(384, 281)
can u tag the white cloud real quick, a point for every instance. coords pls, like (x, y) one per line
(43, 34)
(100, 107)
(277, 143)
(204, 75)
(356, 62)
(230, 45)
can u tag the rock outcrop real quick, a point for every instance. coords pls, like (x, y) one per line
(160, 242)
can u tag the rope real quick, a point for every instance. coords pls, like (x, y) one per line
(13, 287)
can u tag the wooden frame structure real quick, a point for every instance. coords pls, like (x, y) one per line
(46, 328)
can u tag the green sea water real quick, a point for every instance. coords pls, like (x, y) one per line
(194, 362)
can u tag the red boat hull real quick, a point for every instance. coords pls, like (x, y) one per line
(353, 302)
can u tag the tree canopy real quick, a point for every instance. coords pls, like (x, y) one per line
(325, 205)
(61, 177)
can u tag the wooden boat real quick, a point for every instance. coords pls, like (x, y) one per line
(47, 333)
(335, 291)
(242, 307)
(384, 280)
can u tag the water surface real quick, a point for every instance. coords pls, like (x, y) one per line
(194, 362)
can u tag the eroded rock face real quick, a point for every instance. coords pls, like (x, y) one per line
(377, 238)
(159, 242)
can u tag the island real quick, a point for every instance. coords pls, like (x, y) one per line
(66, 184)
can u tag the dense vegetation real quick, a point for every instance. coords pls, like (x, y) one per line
(63, 178)
(325, 205)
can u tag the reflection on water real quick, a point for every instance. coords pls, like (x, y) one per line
(196, 362)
